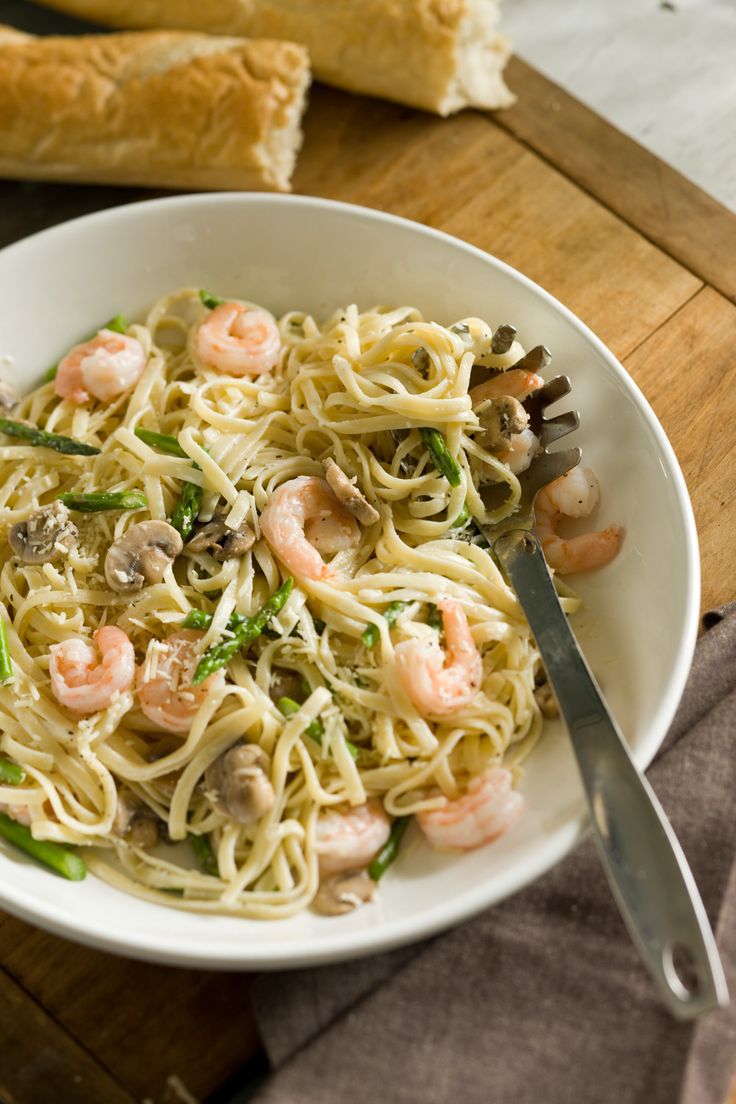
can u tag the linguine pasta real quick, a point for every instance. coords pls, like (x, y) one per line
(357, 388)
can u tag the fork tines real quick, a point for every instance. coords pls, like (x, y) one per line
(550, 429)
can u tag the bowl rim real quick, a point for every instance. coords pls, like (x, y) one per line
(187, 950)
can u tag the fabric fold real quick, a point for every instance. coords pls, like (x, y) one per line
(543, 997)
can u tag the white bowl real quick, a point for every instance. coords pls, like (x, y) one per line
(639, 623)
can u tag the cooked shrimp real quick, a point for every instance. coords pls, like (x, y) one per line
(488, 809)
(105, 367)
(523, 447)
(239, 341)
(349, 841)
(164, 682)
(437, 688)
(573, 495)
(86, 682)
(303, 518)
(517, 382)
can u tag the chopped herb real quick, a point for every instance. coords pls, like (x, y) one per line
(371, 633)
(90, 503)
(390, 850)
(57, 858)
(462, 329)
(35, 436)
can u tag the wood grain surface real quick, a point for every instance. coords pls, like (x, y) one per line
(637, 252)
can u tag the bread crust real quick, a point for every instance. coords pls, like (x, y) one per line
(440, 55)
(157, 109)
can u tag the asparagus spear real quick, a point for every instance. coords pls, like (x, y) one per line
(210, 301)
(10, 773)
(199, 619)
(461, 518)
(161, 441)
(36, 436)
(442, 458)
(204, 854)
(221, 654)
(315, 729)
(371, 633)
(113, 500)
(6, 667)
(390, 850)
(119, 324)
(53, 855)
(186, 510)
(185, 513)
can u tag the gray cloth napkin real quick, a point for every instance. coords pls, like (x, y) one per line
(542, 999)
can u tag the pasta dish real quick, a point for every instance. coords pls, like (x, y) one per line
(250, 632)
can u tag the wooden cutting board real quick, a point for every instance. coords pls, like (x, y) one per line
(641, 255)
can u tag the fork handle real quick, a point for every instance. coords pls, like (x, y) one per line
(646, 868)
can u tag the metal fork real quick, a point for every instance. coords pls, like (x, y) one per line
(644, 863)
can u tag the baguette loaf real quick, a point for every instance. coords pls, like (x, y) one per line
(440, 55)
(159, 109)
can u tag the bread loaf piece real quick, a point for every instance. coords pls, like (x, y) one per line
(440, 55)
(159, 109)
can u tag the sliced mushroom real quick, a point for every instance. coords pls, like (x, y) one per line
(142, 555)
(224, 543)
(9, 397)
(46, 536)
(349, 496)
(500, 419)
(134, 821)
(546, 701)
(343, 892)
(239, 784)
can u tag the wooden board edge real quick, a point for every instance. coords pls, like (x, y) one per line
(652, 197)
(44, 1062)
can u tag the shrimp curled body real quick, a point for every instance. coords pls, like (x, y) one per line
(436, 687)
(573, 495)
(517, 382)
(303, 518)
(107, 366)
(488, 809)
(86, 682)
(349, 841)
(239, 341)
(166, 694)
